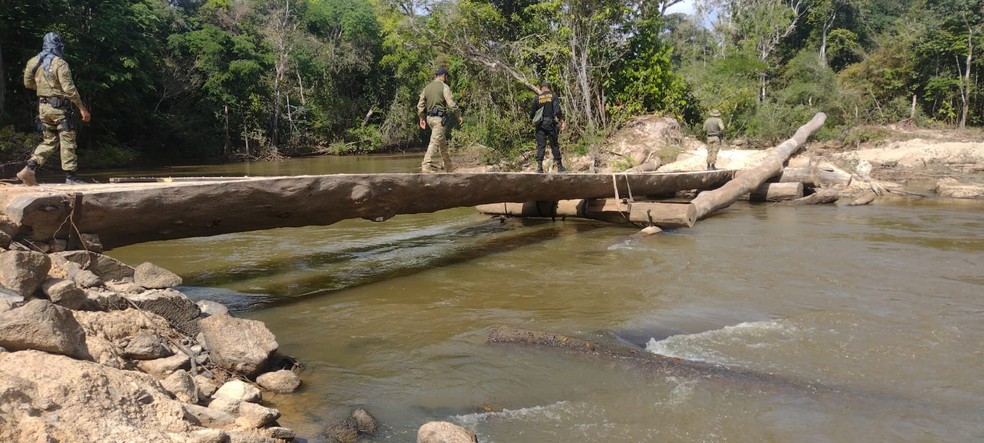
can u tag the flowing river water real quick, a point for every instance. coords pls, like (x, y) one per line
(866, 322)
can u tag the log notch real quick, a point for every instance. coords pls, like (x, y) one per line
(708, 202)
(664, 215)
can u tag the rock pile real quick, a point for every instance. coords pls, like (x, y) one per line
(92, 349)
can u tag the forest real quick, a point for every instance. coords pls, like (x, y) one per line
(188, 80)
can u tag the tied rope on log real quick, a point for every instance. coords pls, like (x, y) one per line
(709, 201)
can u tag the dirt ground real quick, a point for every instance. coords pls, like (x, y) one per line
(909, 155)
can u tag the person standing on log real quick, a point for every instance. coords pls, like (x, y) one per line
(49, 75)
(548, 117)
(438, 104)
(714, 127)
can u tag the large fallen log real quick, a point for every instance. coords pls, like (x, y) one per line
(664, 365)
(128, 213)
(709, 201)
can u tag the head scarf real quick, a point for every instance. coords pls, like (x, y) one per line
(52, 47)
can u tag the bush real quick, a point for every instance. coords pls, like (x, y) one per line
(16, 146)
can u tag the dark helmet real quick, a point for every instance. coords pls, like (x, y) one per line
(53, 41)
(441, 71)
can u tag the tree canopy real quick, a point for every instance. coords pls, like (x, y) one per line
(190, 79)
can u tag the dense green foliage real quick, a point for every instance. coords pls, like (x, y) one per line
(192, 79)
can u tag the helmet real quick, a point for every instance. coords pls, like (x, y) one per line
(53, 41)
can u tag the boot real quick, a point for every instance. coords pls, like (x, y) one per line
(560, 166)
(539, 167)
(27, 175)
(72, 179)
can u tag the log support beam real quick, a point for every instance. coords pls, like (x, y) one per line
(664, 215)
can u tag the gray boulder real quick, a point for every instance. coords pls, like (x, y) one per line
(238, 345)
(43, 326)
(282, 382)
(210, 307)
(238, 391)
(145, 346)
(64, 293)
(73, 271)
(104, 266)
(444, 432)
(162, 367)
(182, 385)
(4, 240)
(364, 422)
(152, 276)
(254, 416)
(23, 271)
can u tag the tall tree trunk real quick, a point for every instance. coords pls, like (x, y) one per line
(823, 37)
(280, 34)
(3, 86)
(965, 80)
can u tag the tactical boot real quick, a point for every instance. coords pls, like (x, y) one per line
(27, 175)
(560, 167)
(72, 179)
(539, 167)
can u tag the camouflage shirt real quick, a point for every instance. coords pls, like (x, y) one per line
(56, 83)
(714, 127)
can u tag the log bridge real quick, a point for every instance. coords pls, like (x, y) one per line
(121, 214)
(128, 213)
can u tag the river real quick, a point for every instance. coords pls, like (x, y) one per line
(871, 317)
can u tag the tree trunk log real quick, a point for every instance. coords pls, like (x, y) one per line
(821, 197)
(815, 177)
(708, 202)
(775, 192)
(3, 86)
(664, 215)
(128, 213)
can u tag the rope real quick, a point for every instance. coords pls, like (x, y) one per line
(618, 198)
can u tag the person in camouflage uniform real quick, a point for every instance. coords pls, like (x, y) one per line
(438, 105)
(49, 75)
(714, 127)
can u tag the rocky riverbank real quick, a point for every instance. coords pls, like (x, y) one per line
(93, 350)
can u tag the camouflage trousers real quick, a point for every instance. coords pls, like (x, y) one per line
(713, 146)
(438, 146)
(58, 131)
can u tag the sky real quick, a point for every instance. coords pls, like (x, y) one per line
(686, 7)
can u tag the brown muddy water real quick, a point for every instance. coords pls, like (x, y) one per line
(871, 318)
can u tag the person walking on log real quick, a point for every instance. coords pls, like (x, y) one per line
(436, 101)
(714, 127)
(548, 117)
(49, 75)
